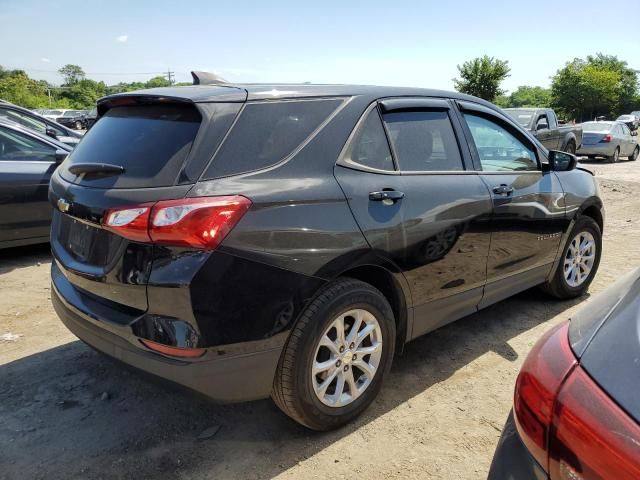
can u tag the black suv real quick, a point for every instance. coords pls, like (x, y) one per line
(287, 240)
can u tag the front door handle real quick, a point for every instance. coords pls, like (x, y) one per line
(503, 189)
(386, 195)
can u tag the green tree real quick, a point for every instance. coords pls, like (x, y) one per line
(72, 74)
(16, 87)
(526, 96)
(158, 81)
(84, 93)
(599, 85)
(482, 77)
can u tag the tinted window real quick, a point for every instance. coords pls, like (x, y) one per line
(423, 141)
(369, 145)
(497, 148)
(16, 146)
(151, 142)
(268, 132)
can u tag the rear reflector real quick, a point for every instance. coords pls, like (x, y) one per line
(538, 383)
(173, 351)
(201, 222)
(593, 437)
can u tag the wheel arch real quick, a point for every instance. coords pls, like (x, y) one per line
(388, 284)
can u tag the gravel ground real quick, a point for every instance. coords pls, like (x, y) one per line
(68, 412)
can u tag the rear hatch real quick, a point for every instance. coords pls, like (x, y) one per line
(143, 149)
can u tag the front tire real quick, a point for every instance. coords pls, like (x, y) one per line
(336, 357)
(634, 155)
(579, 262)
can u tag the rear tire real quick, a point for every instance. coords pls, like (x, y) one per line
(561, 286)
(616, 155)
(571, 147)
(634, 155)
(297, 390)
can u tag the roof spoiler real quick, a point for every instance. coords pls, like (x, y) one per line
(207, 78)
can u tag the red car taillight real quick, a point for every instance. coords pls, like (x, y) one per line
(592, 437)
(540, 379)
(200, 222)
(606, 139)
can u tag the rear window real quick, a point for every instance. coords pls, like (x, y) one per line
(596, 127)
(266, 133)
(151, 142)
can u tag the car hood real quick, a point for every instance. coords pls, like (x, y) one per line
(605, 336)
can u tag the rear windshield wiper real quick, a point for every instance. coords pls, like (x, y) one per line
(95, 169)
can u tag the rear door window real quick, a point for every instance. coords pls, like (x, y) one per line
(423, 141)
(268, 132)
(151, 142)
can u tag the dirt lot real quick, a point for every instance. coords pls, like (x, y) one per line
(67, 412)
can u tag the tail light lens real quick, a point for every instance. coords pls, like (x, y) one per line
(606, 138)
(592, 437)
(201, 222)
(540, 379)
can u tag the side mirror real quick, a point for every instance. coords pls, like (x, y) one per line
(542, 126)
(51, 133)
(562, 161)
(61, 155)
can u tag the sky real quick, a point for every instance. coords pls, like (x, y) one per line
(390, 42)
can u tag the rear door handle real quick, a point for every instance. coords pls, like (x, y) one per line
(503, 189)
(392, 195)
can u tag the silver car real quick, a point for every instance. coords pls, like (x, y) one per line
(608, 139)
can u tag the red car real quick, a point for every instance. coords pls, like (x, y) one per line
(576, 411)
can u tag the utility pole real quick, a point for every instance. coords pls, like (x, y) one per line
(170, 76)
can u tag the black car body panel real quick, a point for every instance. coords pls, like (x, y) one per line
(314, 217)
(25, 171)
(512, 460)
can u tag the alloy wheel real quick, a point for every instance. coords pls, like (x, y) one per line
(579, 259)
(347, 358)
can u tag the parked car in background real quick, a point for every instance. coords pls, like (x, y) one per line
(53, 114)
(630, 121)
(91, 118)
(612, 140)
(38, 123)
(27, 161)
(543, 124)
(76, 119)
(332, 225)
(576, 409)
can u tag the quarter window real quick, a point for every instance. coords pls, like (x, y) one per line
(497, 148)
(369, 145)
(424, 141)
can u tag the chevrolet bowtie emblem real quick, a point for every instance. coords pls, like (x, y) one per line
(63, 205)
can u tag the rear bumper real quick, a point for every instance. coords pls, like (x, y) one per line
(602, 150)
(219, 375)
(512, 460)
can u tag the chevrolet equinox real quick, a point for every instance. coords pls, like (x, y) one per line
(248, 241)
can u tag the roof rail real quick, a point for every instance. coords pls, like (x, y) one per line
(207, 78)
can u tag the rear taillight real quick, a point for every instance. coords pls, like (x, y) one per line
(592, 437)
(540, 379)
(200, 222)
(606, 138)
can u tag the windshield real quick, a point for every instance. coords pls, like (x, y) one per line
(53, 112)
(596, 126)
(523, 117)
(71, 113)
